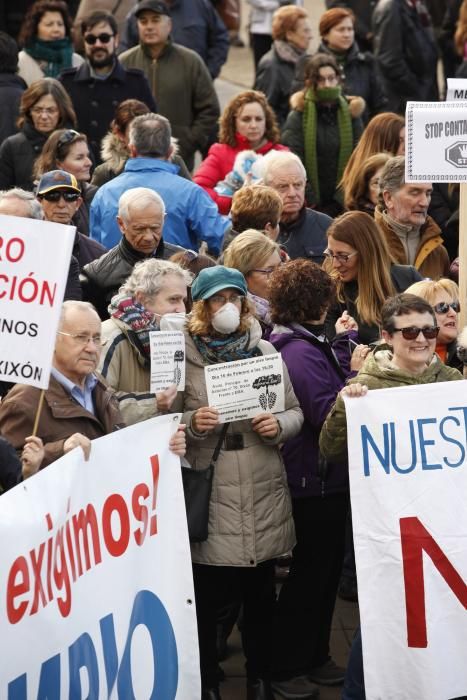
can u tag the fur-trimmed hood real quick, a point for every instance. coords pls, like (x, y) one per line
(356, 104)
(115, 154)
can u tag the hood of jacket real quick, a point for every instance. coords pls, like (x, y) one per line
(115, 154)
(379, 373)
(356, 104)
(282, 335)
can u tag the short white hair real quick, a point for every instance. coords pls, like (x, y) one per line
(149, 275)
(74, 304)
(34, 207)
(275, 160)
(138, 198)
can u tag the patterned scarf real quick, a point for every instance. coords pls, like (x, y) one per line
(262, 309)
(52, 56)
(126, 309)
(225, 348)
(310, 122)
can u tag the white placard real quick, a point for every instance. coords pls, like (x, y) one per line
(436, 142)
(457, 89)
(408, 483)
(96, 587)
(245, 388)
(34, 263)
(167, 360)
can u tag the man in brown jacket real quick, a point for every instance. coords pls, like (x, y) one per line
(413, 237)
(78, 407)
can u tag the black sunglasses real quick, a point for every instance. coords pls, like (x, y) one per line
(412, 332)
(104, 38)
(443, 307)
(55, 195)
(67, 137)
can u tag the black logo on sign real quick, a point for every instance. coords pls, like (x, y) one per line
(457, 154)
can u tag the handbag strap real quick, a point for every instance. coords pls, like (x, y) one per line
(218, 447)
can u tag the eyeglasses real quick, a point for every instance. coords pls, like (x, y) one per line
(233, 299)
(340, 257)
(83, 338)
(104, 38)
(443, 307)
(412, 332)
(67, 137)
(265, 270)
(49, 111)
(56, 195)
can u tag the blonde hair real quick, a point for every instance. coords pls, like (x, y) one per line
(248, 250)
(429, 289)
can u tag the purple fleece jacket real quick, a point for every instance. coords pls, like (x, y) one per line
(318, 370)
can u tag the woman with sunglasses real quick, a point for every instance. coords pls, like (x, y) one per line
(357, 257)
(443, 295)
(257, 257)
(67, 149)
(407, 358)
(44, 107)
(45, 38)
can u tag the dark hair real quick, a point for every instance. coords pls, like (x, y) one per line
(55, 149)
(299, 291)
(401, 305)
(125, 112)
(227, 129)
(97, 17)
(313, 65)
(34, 15)
(8, 54)
(193, 262)
(47, 86)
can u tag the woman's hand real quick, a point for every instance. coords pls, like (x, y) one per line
(177, 443)
(359, 356)
(78, 440)
(32, 456)
(205, 419)
(265, 424)
(346, 323)
(165, 399)
(354, 391)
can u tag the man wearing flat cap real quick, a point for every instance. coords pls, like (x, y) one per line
(179, 80)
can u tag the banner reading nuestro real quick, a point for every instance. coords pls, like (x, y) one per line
(34, 262)
(96, 589)
(408, 481)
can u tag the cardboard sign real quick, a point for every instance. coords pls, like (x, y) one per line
(167, 360)
(96, 588)
(408, 483)
(34, 263)
(245, 388)
(457, 89)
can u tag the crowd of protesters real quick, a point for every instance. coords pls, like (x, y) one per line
(296, 233)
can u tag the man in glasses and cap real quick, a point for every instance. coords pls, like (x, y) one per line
(60, 196)
(101, 82)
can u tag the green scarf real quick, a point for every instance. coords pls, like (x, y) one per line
(52, 56)
(310, 121)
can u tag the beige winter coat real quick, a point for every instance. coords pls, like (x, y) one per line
(30, 70)
(250, 517)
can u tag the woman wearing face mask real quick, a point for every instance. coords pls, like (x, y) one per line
(323, 129)
(250, 519)
(152, 298)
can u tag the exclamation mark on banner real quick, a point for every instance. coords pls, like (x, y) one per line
(155, 482)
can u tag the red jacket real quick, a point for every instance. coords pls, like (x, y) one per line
(220, 161)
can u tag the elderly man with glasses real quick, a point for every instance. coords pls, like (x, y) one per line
(78, 407)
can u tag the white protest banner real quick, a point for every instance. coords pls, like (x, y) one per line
(245, 388)
(408, 484)
(96, 589)
(34, 263)
(457, 89)
(167, 360)
(436, 142)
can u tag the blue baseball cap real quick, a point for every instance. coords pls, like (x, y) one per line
(212, 279)
(57, 180)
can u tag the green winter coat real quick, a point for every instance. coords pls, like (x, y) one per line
(376, 373)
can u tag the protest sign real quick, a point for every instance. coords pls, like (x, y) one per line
(408, 480)
(96, 589)
(167, 360)
(34, 263)
(245, 388)
(457, 89)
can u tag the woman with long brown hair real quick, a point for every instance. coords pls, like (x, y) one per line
(362, 187)
(359, 260)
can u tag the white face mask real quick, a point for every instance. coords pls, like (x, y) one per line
(174, 321)
(227, 319)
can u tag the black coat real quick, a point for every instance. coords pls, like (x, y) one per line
(451, 59)
(406, 54)
(306, 236)
(95, 101)
(17, 156)
(11, 89)
(10, 466)
(274, 77)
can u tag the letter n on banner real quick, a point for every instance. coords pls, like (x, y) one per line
(415, 539)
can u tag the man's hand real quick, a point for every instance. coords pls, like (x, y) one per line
(165, 399)
(177, 443)
(205, 419)
(32, 456)
(78, 440)
(265, 424)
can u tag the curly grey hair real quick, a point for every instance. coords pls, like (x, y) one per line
(148, 277)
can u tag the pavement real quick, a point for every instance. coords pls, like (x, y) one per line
(238, 75)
